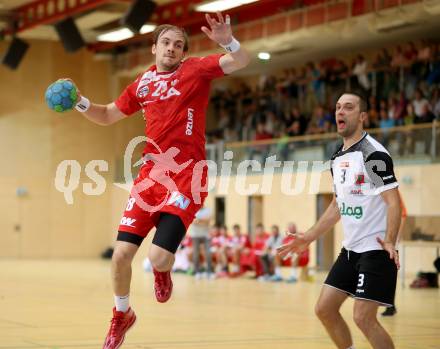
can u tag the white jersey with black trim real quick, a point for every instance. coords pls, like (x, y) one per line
(360, 174)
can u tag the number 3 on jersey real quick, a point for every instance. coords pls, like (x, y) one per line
(343, 173)
(361, 280)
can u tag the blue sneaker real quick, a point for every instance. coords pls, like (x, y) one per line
(291, 280)
(276, 278)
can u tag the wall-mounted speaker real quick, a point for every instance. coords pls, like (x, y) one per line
(139, 13)
(15, 53)
(69, 35)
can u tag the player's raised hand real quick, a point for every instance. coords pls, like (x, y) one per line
(219, 29)
(298, 244)
(389, 247)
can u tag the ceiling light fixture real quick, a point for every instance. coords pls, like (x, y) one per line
(221, 5)
(147, 28)
(116, 35)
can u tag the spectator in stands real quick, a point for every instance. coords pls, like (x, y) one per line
(419, 103)
(320, 122)
(398, 58)
(261, 149)
(312, 85)
(435, 102)
(400, 109)
(382, 66)
(295, 116)
(385, 123)
(427, 115)
(410, 115)
(272, 123)
(383, 60)
(424, 54)
(268, 255)
(410, 53)
(386, 120)
(360, 70)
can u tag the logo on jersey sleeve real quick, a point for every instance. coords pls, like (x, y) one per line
(356, 212)
(142, 92)
(179, 200)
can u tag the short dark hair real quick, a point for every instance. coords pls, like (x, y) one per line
(363, 107)
(166, 27)
(236, 226)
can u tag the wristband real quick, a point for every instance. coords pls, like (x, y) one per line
(233, 46)
(83, 105)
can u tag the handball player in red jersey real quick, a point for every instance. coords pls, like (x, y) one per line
(173, 95)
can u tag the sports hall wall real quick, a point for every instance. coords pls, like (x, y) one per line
(34, 140)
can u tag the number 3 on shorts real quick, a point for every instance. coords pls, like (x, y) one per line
(130, 204)
(361, 280)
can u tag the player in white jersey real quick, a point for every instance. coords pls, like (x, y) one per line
(367, 201)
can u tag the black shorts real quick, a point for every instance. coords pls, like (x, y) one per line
(370, 275)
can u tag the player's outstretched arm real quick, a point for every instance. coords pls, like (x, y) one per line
(103, 114)
(329, 218)
(98, 113)
(220, 31)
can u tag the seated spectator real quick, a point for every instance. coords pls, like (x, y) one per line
(268, 256)
(222, 244)
(237, 244)
(300, 260)
(250, 258)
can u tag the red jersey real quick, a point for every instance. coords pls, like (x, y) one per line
(260, 242)
(174, 106)
(242, 240)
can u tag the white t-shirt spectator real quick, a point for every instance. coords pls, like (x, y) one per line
(418, 106)
(201, 230)
(360, 70)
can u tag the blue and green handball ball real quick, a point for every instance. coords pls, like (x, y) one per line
(61, 96)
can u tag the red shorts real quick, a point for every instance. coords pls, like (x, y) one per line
(145, 206)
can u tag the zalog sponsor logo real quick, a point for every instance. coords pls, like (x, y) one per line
(355, 212)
